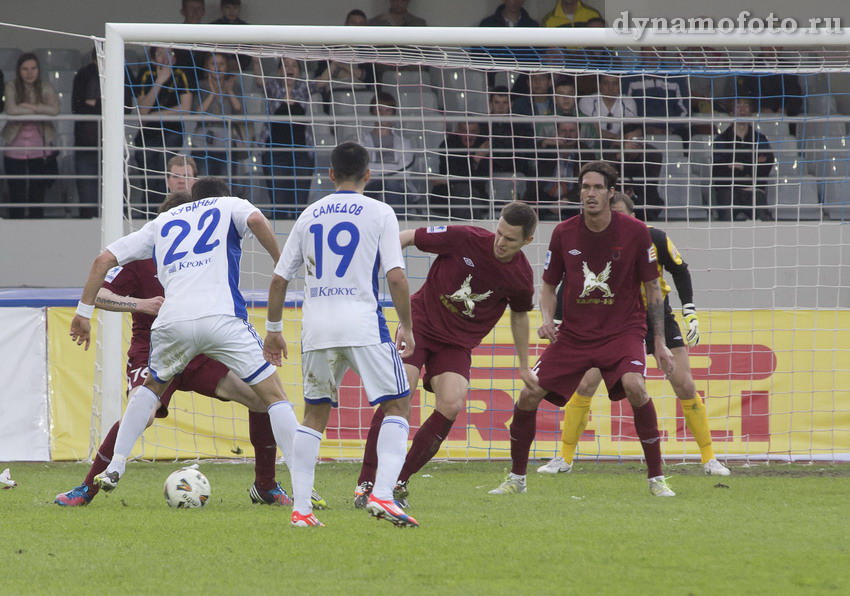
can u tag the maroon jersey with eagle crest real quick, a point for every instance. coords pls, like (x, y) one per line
(603, 273)
(467, 288)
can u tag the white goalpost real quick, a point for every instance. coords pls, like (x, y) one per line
(770, 276)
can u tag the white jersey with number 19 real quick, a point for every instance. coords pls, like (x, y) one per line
(344, 239)
(196, 248)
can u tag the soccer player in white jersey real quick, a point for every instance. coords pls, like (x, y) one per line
(344, 239)
(196, 247)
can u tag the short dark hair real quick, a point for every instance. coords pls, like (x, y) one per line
(209, 186)
(349, 161)
(499, 90)
(518, 213)
(236, 2)
(185, 3)
(355, 13)
(564, 80)
(608, 172)
(621, 197)
(174, 199)
(382, 98)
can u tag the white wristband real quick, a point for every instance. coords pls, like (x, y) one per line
(274, 326)
(85, 310)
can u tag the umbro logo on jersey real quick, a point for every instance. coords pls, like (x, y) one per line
(436, 229)
(637, 362)
(575, 252)
(468, 261)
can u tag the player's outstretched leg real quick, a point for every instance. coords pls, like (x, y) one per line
(426, 443)
(83, 494)
(522, 430)
(140, 410)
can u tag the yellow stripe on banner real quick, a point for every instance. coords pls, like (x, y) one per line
(774, 382)
(70, 386)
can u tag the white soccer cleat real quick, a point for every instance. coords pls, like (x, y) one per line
(513, 484)
(659, 488)
(556, 465)
(714, 468)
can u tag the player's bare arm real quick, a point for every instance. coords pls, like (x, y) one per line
(80, 324)
(109, 300)
(400, 292)
(407, 237)
(655, 310)
(548, 302)
(264, 233)
(274, 346)
(519, 330)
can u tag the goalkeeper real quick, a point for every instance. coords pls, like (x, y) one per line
(578, 409)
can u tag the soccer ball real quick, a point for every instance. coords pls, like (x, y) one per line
(187, 488)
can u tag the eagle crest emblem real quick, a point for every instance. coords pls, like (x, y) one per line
(466, 296)
(596, 282)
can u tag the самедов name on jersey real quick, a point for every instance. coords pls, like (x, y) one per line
(351, 209)
(326, 291)
(192, 206)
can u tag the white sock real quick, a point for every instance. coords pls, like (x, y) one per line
(305, 452)
(392, 448)
(143, 402)
(284, 424)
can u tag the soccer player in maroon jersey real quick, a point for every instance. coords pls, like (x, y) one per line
(577, 410)
(603, 259)
(475, 276)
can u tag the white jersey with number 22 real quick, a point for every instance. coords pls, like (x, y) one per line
(197, 248)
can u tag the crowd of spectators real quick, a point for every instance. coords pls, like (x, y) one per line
(540, 128)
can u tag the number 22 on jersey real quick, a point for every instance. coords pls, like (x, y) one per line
(207, 224)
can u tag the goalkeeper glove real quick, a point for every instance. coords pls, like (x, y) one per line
(689, 312)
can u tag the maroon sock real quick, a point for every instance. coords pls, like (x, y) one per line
(426, 443)
(265, 449)
(101, 459)
(370, 453)
(646, 425)
(522, 430)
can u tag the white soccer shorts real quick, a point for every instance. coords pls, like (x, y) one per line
(228, 339)
(379, 366)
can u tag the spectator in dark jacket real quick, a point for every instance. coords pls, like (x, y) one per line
(742, 162)
(509, 14)
(465, 162)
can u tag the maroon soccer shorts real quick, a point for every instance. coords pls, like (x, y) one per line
(438, 357)
(202, 375)
(563, 364)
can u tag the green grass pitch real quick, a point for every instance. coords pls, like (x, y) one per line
(767, 529)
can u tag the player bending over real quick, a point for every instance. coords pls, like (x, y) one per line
(603, 258)
(135, 289)
(577, 410)
(198, 247)
(343, 239)
(475, 276)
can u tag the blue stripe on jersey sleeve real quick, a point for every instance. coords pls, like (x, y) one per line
(234, 256)
(383, 332)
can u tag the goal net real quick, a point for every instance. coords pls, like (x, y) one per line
(738, 151)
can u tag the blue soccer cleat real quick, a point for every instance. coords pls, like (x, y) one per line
(78, 496)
